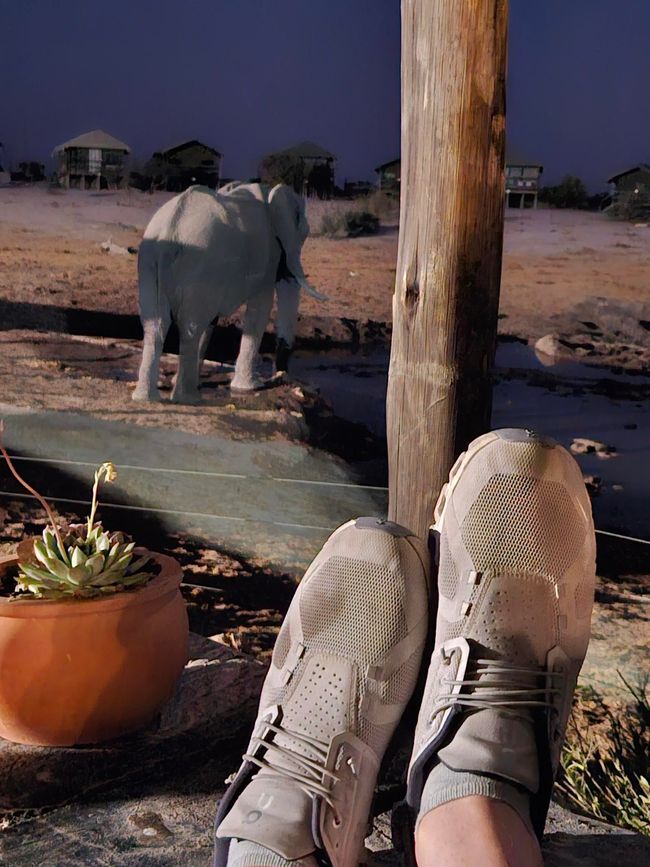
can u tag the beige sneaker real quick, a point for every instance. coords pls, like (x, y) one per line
(516, 585)
(344, 666)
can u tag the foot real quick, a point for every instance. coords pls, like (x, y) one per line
(343, 669)
(516, 585)
(246, 384)
(187, 398)
(145, 394)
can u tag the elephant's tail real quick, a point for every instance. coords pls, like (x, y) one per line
(154, 303)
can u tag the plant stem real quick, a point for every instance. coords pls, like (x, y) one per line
(35, 493)
(93, 505)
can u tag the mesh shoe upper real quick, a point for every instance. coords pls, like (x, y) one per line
(344, 666)
(516, 584)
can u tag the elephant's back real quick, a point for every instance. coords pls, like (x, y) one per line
(188, 218)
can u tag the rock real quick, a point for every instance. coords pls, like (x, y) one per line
(216, 694)
(593, 485)
(114, 249)
(584, 446)
(549, 350)
(621, 320)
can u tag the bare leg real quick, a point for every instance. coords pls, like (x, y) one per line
(255, 319)
(155, 331)
(475, 832)
(186, 384)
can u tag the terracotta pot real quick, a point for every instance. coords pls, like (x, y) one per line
(84, 671)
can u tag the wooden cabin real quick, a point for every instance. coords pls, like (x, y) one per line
(633, 180)
(389, 176)
(522, 181)
(190, 162)
(95, 160)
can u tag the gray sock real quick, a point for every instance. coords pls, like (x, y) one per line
(444, 785)
(244, 854)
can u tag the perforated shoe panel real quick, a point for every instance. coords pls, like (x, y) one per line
(344, 667)
(517, 573)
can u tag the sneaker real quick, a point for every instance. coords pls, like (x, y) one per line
(344, 666)
(516, 575)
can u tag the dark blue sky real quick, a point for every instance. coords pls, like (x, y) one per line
(249, 76)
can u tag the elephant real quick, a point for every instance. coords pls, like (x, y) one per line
(203, 255)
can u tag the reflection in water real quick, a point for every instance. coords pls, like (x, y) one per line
(561, 405)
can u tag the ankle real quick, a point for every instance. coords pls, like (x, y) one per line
(445, 785)
(475, 829)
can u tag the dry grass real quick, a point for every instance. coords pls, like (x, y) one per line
(606, 759)
(328, 218)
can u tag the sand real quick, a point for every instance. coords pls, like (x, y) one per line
(554, 261)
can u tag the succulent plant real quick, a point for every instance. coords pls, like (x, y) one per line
(83, 561)
(95, 563)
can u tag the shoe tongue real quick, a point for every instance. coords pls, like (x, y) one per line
(494, 742)
(274, 813)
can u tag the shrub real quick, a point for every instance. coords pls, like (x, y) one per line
(570, 193)
(361, 223)
(606, 759)
(332, 224)
(630, 205)
(383, 205)
(283, 168)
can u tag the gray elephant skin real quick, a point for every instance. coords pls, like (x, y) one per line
(203, 255)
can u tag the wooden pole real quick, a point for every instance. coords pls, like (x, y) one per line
(451, 227)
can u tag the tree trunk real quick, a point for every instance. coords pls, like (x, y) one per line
(451, 227)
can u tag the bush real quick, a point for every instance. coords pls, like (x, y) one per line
(283, 169)
(332, 224)
(383, 205)
(570, 193)
(606, 759)
(630, 205)
(361, 223)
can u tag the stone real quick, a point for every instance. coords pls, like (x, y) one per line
(114, 249)
(550, 350)
(585, 446)
(592, 484)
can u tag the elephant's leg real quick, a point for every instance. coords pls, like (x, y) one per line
(186, 384)
(204, 343)
(288, 295)
(257, 315)
(155, 331)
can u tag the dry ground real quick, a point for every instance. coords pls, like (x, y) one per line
(555, 262)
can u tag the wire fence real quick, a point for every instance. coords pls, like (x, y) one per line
(222, 475)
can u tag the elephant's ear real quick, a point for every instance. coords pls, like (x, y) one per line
(287, 213)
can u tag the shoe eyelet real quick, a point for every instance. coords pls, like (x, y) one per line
(336, 822)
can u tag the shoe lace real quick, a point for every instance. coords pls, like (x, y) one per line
(498, 683)
(309, 774)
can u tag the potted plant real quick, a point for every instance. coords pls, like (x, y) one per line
(93, 631)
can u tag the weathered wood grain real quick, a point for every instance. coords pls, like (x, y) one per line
(449, 261)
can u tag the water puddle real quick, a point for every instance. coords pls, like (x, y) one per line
(566, 400)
